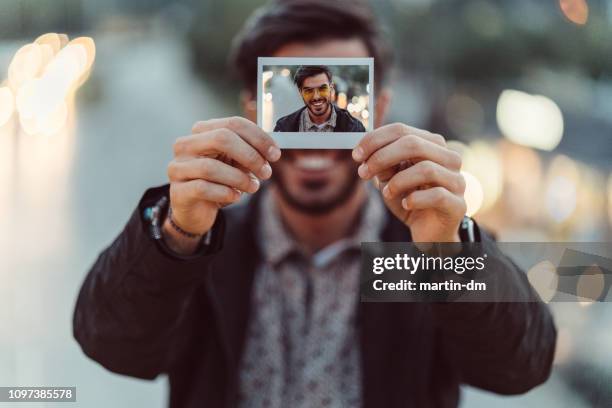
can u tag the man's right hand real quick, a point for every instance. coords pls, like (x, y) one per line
(221, 159)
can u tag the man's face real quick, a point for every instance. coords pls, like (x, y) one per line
(316, 92)
(318, 181)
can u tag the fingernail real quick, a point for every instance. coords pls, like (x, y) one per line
(358, 154)
(254, 184)
(363, 171)
(274, 153)
(386, 191)
(266, 171)
(405, 203)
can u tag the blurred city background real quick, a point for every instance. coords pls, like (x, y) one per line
(281, 97)
(523, 89)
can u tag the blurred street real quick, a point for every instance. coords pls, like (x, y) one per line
(64, 198)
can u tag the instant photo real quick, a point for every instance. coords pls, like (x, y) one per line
(316, 103)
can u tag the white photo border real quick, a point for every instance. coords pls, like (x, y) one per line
(315, 140)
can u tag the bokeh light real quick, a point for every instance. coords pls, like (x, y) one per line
(561, 198)
(544, 279)
(530, 120)
(52, 40)
(483, 162)
(341, 100)
(576, 11)
(521, 182)
(7, 105)
(562, 188)
(43, 76)
(474, 195)
(25, 65)
(266, 76)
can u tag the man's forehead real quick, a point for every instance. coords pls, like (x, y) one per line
(331, 48)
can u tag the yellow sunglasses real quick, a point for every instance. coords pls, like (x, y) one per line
(324, 91)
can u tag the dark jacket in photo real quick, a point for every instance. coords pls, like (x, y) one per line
(345, 122)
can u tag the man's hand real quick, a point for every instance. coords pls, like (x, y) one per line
(419, 178)
(212, 167)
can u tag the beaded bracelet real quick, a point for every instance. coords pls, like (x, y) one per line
(179, 229)
(154, 216)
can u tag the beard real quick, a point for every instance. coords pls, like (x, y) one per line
(319, 207)
(321, 110)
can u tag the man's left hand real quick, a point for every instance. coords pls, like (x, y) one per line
(419, 177)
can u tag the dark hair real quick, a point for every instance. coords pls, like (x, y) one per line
(281, 22)
(307, 71)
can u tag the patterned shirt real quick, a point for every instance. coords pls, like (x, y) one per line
(302, 346)
(307, 125)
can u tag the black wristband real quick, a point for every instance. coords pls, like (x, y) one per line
(178, 229)
(210, 242)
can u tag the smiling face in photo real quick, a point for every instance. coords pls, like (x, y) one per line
(316, 93)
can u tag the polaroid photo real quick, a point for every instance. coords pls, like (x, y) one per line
(315, 103)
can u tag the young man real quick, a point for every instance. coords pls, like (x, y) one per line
(319, 113)
(257, 304)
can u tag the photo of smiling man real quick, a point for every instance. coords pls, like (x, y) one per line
(319, 114)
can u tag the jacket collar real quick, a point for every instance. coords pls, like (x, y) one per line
(294, 119)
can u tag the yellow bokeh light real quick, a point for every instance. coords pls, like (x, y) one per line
(26, 98)
(522, 183)
(576, 11)
(63, 40)
(561, 191)
(564, 166)
(530, 120)
(44, 76)
(87, 45)
(561, 198)
(65, 70)
(266, 76)
(52, 40)
(483, 161)
(342, 100)
(473, 195)
(25, 65)
(544, 279)
(7, 105)
(53, 121)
